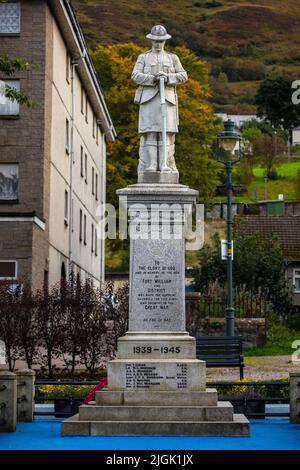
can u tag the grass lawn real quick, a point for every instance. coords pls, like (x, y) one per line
(285, 170)
(277, 346)
(259, 189)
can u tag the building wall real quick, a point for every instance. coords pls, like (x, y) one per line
(66, 169)
(296, 137)
(290, 275)
(17, 234)
(22, 141)
(36, 140)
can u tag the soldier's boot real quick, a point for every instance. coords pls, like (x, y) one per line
(151, 158)
(163, 164)
(148, 153)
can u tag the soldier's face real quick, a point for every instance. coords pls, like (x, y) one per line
(157, 46)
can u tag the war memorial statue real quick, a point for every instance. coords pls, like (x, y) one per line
(156, 385)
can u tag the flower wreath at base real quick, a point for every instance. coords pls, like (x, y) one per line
(91, 396)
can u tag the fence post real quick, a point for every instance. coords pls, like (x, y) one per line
(295, 397)
(8, 401)
(25, 394)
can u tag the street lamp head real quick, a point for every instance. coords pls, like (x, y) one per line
(229, 137)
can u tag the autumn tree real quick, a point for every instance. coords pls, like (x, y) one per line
(269, 149)
(198, 128)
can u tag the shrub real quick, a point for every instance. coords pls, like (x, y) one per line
(72, 322)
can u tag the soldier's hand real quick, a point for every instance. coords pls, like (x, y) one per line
(159, 75)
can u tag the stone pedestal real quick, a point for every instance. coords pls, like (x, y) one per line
(25, 395)
(156, 386)
(295, 397)
(8, 401)
(3, 365)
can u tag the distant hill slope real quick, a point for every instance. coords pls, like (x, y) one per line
(241, 40)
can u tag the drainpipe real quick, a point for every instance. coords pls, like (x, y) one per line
(72, 161)
(103, 201)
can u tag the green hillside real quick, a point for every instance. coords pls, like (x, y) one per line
(242, 41)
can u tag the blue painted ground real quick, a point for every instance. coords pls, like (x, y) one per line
(44, 434)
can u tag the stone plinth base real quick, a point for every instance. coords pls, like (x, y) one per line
(295, 397)
(156, 385)
(156, 374)
(158, 177)
(239, 426)
(157, 346)
(155, 413)
(8, 401)
(206, 397)
(25, 395)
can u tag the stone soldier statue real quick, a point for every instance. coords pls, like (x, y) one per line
(148, 69)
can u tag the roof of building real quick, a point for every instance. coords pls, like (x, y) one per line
(286, 228)
(74, 39)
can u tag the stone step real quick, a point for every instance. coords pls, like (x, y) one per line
(208, 397)
(222, 412)
(238, 427)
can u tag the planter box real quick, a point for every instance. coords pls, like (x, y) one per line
(250, 407)
(67, 405)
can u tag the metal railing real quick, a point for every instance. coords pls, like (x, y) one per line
(241, 401)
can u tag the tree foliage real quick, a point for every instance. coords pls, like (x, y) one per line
(258, 266)
(71, 323)
(269, 150)
(9, 67)
(264, 145)
(274, 103)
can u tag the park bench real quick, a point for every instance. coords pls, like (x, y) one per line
(221, 351)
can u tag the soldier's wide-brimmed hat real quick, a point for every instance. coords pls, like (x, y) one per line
(158, 33)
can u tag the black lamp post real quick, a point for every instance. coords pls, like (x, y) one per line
(227, 141)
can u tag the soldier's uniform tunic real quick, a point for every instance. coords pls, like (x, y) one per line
(148, 97)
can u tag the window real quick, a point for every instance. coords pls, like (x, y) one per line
(10, 18)
(81, 162)
(46, 281)
(84, 229)
(67, 136)
(82, 100)
(296, 280)
(96, 243)
(92, 238)
(94, 126)
(97, 134)
(80, 225)
(96, 191)
(66, 207)
(8, 269)
(9, 181)
(93, 181)
(86, 108)
(8, 107)
(86, 168)
(68, 63)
